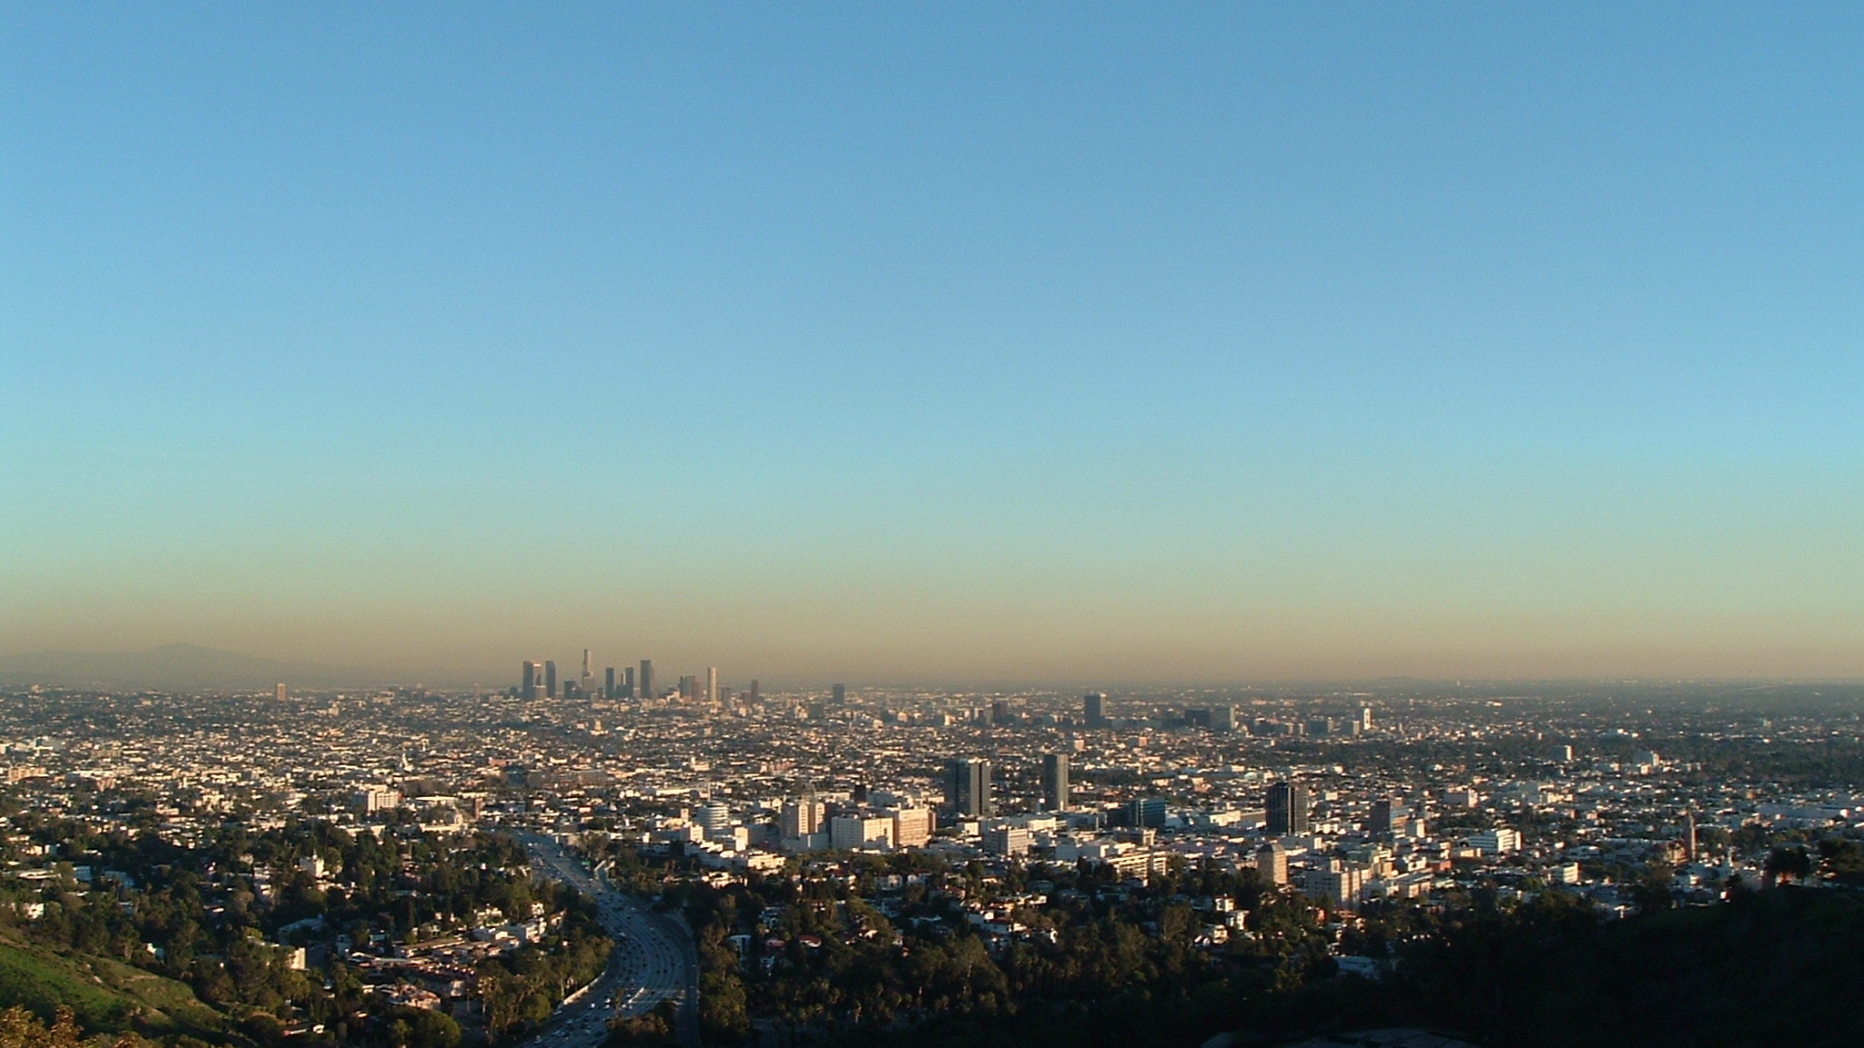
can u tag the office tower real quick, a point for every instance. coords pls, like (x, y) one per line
(1272, 863)
(1287, 809)
(533, 679)
(689, 687)
(1006, 840)
(1223, 718)
(627, 683)
(1147, 813)
(802, 817)
(711, 683)
(967, 787)
(912, 827)
(713, 818)
(861, 831)
(608, 683)
(1096, 708)
(1387, 818)
(644, 682)
(550, 678)
(588, 668)
(278, 693)
(755, 697)
(840, 692)
(1365, 718)
(999, 712)
(1055, 781)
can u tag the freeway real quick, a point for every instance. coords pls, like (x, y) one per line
(653, 960)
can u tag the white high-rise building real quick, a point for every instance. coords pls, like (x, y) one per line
(912, 827)
(852, 832)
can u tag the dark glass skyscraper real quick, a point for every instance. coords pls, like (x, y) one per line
(1287, 809)
(644, 681)
(1055, 782)
(967, 787)
(1095, 704)
(550, 678)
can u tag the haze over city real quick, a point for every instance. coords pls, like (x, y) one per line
(595, 525)
(911, 344)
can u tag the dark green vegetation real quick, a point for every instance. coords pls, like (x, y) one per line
(191, 945)
(878, 953)
(887, 945)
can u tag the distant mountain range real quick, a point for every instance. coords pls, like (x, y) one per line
(183, 667)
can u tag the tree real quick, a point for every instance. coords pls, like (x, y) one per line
(1788, 864)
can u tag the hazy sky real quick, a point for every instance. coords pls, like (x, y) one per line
(882, 342)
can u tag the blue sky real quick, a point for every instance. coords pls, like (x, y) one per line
(947, 342)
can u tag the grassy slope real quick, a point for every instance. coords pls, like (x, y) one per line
(105, 995)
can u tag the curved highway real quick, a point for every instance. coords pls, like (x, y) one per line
(653, 960)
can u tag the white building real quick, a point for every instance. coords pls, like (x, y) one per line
(1498, 841)
(860, 832)
(912, 827)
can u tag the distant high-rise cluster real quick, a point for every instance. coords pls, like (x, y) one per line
(538, 680)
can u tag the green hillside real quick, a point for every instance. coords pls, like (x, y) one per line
(103, 994)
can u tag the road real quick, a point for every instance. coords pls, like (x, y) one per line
(654, 959)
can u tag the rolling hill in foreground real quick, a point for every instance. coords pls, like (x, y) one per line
(105, 995)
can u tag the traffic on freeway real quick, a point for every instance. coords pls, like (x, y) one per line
(653, 959)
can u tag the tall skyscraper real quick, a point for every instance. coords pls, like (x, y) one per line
(627, 683)
(644, 681)
(533, 679)
(755, 697)
(550, 678)
(689, 688)
(280, 696)
(587, 680)
(967, 787)
(608, 683)
(1287, 809)
(711, 684)
(841, 694)
(1095, 706)
(1055, 782)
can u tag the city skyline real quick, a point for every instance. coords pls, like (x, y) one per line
(1180, 345)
